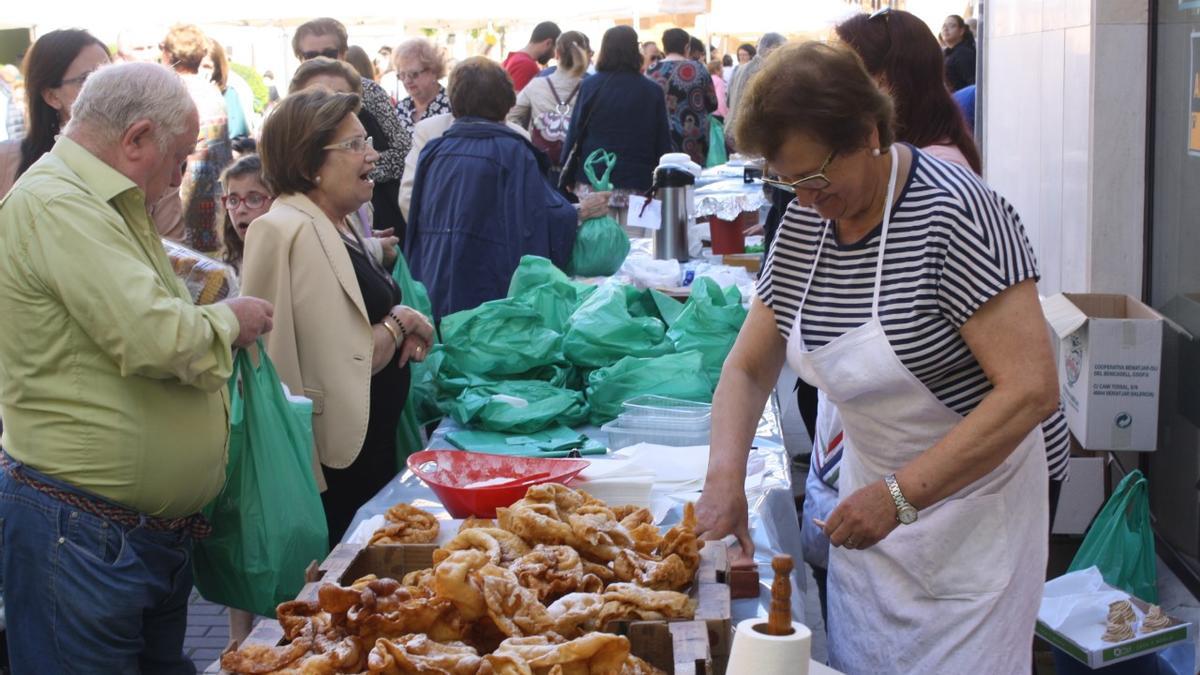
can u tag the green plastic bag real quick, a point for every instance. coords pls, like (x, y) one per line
(600, 245)
(602, 331)
(518, 406)
(541, 285)
(675, 375)
(268, 521)
(495, 339)
(716, 143)
(1120, 541)
(421, 394)
(555, 442)
(709, 323)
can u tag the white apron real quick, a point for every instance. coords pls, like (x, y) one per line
(957, 591)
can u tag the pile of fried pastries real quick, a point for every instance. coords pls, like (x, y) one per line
(527, 595)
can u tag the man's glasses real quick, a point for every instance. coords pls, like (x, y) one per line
(359, 145)
(329, 53)
(254, 200)
(813, 181)
(409, 75)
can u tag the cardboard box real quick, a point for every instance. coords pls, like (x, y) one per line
(1109, 363)
(1122, 651)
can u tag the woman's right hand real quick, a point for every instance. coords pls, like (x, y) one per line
(594, 205)
(418, 331)
(722, 510)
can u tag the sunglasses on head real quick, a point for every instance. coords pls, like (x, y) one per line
(330, 53)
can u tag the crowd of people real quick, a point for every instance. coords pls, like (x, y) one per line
(897, 284)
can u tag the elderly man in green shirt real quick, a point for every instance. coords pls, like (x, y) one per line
(112, 388)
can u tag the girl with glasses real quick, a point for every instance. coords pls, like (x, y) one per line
(245, 198)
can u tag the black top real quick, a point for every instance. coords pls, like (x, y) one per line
(389, 387)
(960, 65)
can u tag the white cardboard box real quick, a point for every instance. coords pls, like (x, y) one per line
(1109, 358)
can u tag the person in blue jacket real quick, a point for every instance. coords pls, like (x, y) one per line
(481, 199)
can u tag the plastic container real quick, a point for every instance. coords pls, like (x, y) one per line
(653, 405)
(459, 478)
(664, 422)
(621, 436)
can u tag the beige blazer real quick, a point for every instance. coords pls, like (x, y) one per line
(321, 342)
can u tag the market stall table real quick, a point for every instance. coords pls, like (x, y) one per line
(773, 517)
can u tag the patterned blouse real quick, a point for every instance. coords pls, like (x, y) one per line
(691, 98)
(440, 104)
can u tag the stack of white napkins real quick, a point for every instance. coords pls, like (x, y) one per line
(617, 480)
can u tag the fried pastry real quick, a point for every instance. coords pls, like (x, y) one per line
(592, 654)
(514, 609)
(471, 522)
(668, 574)
(1155, 620)
(420, 654)
(553, 571)
(406, 524)
(261, 659)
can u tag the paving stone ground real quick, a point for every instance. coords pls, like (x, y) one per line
(207, 631)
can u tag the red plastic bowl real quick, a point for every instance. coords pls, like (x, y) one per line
(454, 475)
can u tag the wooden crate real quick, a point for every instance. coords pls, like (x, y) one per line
(683, 647)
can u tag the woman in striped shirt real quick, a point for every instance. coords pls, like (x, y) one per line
(904, 289)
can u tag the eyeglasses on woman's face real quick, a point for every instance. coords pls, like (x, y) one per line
(814, 181)
(254, 200)
(411, 75)
(359, 145)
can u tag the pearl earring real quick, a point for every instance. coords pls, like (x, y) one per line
(319, 178)
(874, 152)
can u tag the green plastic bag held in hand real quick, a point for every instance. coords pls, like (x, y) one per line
(518, 406)
(268, 521)
(1120, 542)
(421, 393)
(709, 324)
(601, 245)
(603, 331)
(675, 375)
(716, 143)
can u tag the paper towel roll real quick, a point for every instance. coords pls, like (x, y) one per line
(756, 653)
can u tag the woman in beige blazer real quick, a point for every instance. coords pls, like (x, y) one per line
(341, 336)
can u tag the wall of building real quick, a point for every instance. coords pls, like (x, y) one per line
(1065, 114)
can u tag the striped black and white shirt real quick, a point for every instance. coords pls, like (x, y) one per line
(953, 244)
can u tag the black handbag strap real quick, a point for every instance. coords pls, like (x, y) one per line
(573, 154)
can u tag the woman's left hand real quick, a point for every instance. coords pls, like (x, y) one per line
(863, 519)
(390, 244)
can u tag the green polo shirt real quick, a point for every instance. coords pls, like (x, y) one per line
(110, 378)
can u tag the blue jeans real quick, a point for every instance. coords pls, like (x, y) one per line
(83, 594)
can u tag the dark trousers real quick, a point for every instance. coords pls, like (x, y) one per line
(84, 594)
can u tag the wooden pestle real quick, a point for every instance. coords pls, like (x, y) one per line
(779, 620)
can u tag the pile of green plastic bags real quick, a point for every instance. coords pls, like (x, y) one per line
(558, 353)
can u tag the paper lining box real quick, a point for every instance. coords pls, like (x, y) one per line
(1140, 645)
(1109, 361)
